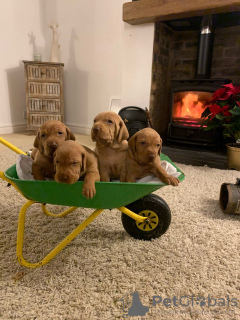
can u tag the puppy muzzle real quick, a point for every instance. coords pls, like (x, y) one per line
(51, 148)
(96, 129)
(151, 157)
(145, 159)
(65, 178)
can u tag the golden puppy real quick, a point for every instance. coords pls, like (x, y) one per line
(73, 161)
(143, 157)
(49, 137)
(110, 134)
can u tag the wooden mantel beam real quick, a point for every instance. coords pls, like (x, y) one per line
(144, 11)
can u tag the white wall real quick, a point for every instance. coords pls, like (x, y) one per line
(104, 57)
(90, 35)
(19, 19)
(137, 64)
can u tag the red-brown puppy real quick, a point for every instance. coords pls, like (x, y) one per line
(143, 157)
(73, 161)
(110, 134)
(49, 137)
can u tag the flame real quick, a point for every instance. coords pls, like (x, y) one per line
(190, 105)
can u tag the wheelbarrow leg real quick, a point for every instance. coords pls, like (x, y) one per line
(55, 215)
(58, 248)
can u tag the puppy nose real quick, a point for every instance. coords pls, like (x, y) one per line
(151, 157)
(96, 129)
(64, 177)
(53, 145)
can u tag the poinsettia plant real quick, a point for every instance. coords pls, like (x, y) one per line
(223, 110)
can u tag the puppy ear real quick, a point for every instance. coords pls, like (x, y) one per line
(70, 135)
(37, 143)
(123, 132)
(132, 143)
(160, 148)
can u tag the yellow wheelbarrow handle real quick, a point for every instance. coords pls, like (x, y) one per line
(18, 151)
(11, 146)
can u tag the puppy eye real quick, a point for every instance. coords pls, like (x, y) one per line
(57, 161)
(143, 143)
(94, 120)
(43, 135)
(109, 121)
(60, 133)
(158, 145)
(75, 163)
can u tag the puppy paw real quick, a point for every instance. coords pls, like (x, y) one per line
(172, 181)
(88, 191)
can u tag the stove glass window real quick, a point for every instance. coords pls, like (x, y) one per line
(188, 107)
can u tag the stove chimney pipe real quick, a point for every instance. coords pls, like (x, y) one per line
(205, 49)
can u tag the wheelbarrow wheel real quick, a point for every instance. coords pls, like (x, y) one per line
(159, 218)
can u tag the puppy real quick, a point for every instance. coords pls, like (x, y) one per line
(110, 134)
(49, 137)
(143, 157)
(73, 161)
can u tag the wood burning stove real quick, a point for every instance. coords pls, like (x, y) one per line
(188, 97)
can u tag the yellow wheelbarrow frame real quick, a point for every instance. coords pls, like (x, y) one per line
(107, 197)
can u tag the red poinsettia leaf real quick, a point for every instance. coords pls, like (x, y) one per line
(225, 95)
(227, 113)
(225, 92)
(236, 90)
(229, 85)
(220, 94)
(226, 107)
(215, 108)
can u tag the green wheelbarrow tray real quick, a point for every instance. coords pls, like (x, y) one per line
(109, 195)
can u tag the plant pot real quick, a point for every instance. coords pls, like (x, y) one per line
(233, 156)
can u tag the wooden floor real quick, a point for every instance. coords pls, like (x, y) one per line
(196, 157)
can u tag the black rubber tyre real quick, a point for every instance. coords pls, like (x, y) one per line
(152, 206)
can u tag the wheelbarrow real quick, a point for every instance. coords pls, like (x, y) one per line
(144, 216)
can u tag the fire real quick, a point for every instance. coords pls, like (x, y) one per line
(190, 105)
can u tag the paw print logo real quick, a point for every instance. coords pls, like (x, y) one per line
(201, 301)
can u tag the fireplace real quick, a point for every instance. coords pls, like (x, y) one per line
(188, 99)
(176, 69)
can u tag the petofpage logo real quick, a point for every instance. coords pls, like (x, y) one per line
(186, 301)
(132, 305)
